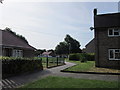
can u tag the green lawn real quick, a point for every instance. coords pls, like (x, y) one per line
(89, 66)
(86, 66)
(63, 82)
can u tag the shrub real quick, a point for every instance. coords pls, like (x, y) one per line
(83, 57)
(12, 66)
(86, 57)
(74, 57)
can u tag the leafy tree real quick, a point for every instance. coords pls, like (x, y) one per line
(39, 51)
(62, 48)
(1, 1)
(74, 45)
(69, 45)
(51, 50)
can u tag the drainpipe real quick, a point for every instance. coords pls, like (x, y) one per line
(96, 37)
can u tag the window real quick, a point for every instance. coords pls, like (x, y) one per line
(114, 32)
(17, 53)
(114, 54)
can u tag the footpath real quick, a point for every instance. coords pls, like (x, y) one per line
(17, 81)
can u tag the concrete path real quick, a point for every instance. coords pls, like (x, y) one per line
(20, 80)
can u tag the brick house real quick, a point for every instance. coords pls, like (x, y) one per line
(90, 47)
(13, 46)
(107, 39)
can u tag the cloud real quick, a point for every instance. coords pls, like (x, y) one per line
(46, 24)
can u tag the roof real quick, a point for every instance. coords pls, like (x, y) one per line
(107, 20)
(91, 42)
(46, 53)
(10, 40)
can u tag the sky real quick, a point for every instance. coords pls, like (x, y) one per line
(45, 24)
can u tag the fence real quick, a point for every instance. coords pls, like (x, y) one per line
(53, 61)
(13, 67)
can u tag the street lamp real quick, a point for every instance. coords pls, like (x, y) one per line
(69, 49)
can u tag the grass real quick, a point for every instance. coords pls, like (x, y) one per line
(81, 66)
(67, 82)
(89, 66)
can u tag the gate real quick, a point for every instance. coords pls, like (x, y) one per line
(54, 61)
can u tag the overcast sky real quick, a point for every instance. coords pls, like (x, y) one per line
(45, 24)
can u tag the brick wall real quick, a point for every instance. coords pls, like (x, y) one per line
(103, 43)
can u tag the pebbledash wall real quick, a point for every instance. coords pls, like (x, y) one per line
(103, 42)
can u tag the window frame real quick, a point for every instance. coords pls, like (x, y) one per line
(113, 54)
(17, 53)
(113, 30)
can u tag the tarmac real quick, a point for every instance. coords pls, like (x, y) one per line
(20, 80)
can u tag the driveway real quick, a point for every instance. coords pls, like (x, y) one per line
(14, 82)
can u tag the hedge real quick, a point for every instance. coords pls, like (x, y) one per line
(83, 57)
(13, 66)
(74, 57)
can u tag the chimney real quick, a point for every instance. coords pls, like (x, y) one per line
(95, 11)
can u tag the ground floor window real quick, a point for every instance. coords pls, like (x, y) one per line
(17, 53)
(114, 54)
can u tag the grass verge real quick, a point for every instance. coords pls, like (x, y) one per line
(67, 82)
(89, 66)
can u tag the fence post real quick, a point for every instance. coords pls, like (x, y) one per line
(57, 61)
(63, 60)
(47, 62)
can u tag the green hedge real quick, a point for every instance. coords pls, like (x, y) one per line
(83, 57)
(13, 66)
(74, 57)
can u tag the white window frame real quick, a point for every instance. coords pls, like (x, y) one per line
(113, 29)
(113, 54)
(17, 53)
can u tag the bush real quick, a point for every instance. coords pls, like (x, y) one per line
(83, 57)
(74, 57)
(12, 66)
(86, 57)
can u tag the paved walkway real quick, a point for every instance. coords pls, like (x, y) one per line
(20, 80)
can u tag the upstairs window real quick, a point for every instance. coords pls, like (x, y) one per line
(114, 32)
(114, 54)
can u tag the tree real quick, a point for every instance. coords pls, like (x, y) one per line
(74, 45)
(69, 45)
(39, 51)
(61, 48)
(1, 1)
(51, 50)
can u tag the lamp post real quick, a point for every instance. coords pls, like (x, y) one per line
(69, 49)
